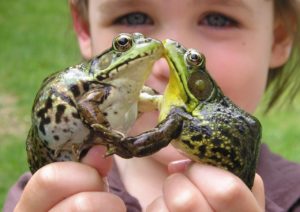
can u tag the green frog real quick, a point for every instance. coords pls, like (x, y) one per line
(199, 120)
(91, 103)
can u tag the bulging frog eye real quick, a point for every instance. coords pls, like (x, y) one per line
(122, 42)
(200, 85)
(194, 58)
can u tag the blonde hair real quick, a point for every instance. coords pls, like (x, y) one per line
(281, 80)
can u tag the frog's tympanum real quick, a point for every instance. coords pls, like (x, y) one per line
(91, 103)
(201, 122)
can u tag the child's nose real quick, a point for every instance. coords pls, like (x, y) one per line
(161, 69)
(159, 76)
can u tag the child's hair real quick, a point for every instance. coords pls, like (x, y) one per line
(281, 80)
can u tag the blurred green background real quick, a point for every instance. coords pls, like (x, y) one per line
(36, 38)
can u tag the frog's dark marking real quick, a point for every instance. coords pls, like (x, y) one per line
(216, 142)
(202, 151)
(241, 129)
(242, 119)
(222, 151)
(226, 121)
(215, 158)
(63, 97)
(60, 111)
(66, 119)
(224, 103)
(235, 141)
(42, 124)
(197, 137)
(75, 115)
(116, 112)
(56, 137)
(48, 104)
(232, 156)
(75, 90)
(45, 141)
(85, 86)
(188, 143)
(207, 131)
(107, 91)
(193, 128)
(101, 77)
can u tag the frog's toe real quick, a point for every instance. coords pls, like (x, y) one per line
(110, 151)
(99, 128)
(118, 134)
(106, 131)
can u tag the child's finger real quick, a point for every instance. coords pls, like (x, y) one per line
(223, 190)
(55, 182)
(158, 205)
(95, 158)
(180, 194)
(258, 190)
(178, 166)
(91, 201)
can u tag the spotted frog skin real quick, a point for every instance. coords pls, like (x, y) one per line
(91, 103)
(200, 121)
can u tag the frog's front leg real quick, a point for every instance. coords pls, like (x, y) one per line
(150, 141)
(92, 116)
(149, 100)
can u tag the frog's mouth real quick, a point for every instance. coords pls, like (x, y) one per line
(125, 68)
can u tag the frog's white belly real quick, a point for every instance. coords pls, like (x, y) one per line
(121, 105)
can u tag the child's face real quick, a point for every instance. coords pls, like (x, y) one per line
(236, 37)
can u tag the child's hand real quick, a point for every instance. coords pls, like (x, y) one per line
(207, 188)
(70, 186)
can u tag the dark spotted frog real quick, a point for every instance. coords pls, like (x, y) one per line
(91, 103)
(199, 120)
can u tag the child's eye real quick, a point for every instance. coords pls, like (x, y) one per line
(217, 20)
(135, 18)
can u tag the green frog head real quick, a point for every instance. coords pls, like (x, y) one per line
(189, 83)
(128, 52)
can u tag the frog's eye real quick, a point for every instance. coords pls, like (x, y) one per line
(122, 42)
(200, 85)
(194, 58)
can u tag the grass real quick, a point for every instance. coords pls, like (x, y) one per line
(37, 39)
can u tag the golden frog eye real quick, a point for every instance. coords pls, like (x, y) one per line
(194, 58)
(200, 85)
(122, 42)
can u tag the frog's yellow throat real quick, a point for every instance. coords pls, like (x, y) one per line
(174, 94)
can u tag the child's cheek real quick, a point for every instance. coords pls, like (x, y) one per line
(240, 78)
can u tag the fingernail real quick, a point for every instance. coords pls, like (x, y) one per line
(178, 166)
(105, 184)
